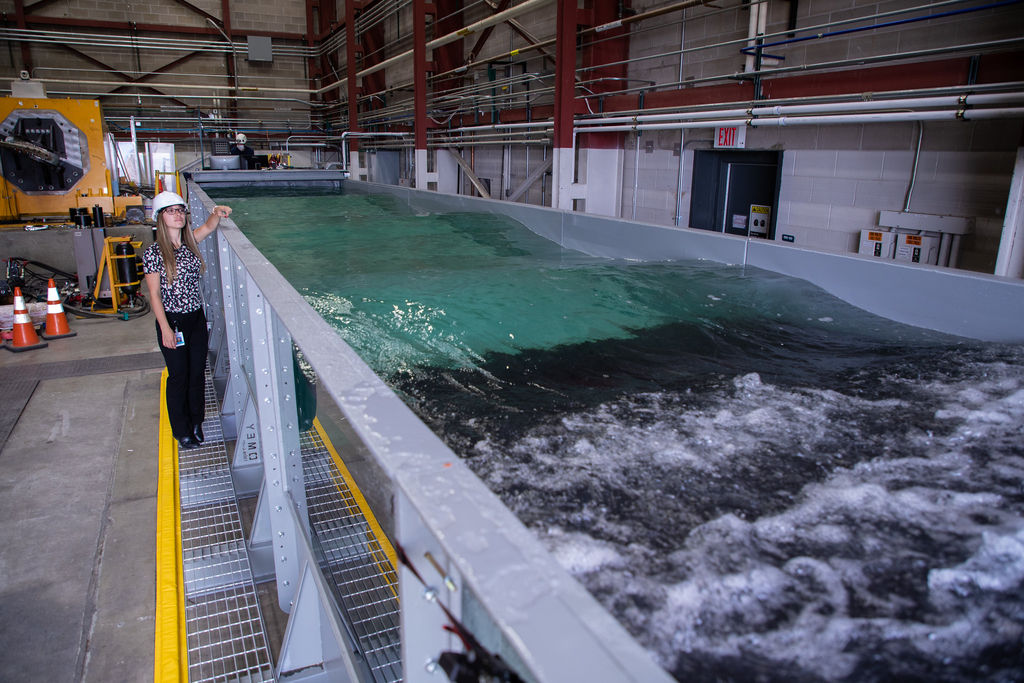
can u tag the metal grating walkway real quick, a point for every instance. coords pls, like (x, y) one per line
(364, 581)
(225, 632)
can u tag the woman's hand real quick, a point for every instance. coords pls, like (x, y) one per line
(167, 337)
(212, 222)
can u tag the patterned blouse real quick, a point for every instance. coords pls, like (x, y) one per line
(182, 295)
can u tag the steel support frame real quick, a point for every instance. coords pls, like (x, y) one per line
(254, 349)
(315, 643)
(277, 424)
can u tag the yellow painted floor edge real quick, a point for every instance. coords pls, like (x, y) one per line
(381, 539)
(170, 654)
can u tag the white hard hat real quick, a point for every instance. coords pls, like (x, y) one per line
(240, 139)
(165, 199)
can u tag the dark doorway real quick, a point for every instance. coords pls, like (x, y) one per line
(735, 192)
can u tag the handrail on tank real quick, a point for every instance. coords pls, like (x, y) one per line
(517, 599)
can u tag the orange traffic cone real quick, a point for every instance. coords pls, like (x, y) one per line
(56, 321)
(25, 337)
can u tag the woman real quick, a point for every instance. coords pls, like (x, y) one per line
(173, 265)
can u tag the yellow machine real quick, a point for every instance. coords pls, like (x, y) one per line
(52, 159)
(118, 277)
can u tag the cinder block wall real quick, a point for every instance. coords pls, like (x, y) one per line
(208, 70)
(657, 178)
(835, 180)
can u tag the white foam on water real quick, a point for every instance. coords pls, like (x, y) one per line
(580, 553)
(900, 552)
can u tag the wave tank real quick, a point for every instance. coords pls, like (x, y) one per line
(760, 481)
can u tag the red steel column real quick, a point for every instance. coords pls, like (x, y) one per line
(312, 64)
(565, 90)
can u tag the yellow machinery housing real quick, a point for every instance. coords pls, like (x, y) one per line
(53, 159)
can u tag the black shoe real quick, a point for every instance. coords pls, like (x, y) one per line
(197, 433)
(186, 443)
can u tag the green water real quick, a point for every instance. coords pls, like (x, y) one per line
(450, 290)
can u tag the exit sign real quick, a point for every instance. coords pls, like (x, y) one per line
(730, 137)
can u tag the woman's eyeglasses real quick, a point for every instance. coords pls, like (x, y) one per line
(176, 210)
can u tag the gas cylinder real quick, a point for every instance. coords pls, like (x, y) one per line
(127, 266)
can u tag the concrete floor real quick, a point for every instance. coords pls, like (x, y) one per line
(78, 505)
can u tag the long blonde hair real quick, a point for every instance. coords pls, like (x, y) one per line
(167, 247)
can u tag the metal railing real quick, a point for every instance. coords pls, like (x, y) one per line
(475, 558)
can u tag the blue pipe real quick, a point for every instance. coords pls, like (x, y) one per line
(750, 50)
(265, 130)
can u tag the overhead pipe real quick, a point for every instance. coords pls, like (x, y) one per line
(679, 6)
(502, 126)
(187, 86)
(987, 46)
(452, 132)
(820, 108)
(152, 43)
(886, 24)
(437, 144)
(378, 12)
(956, 91)
(530, 4)
(968, 99)
(913, 172)
(234, 56)
(510, 138)
(826, 119)
(682, 135)
(816, 29)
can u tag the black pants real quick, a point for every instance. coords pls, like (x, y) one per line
(186, 367)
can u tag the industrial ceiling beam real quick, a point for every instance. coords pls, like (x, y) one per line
(63, 22)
